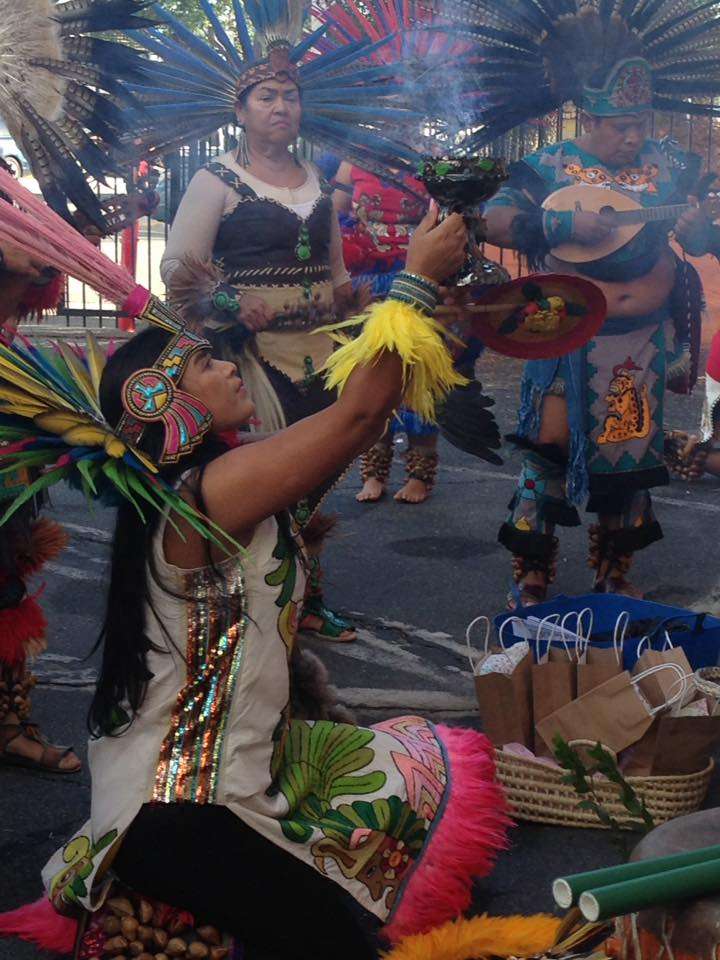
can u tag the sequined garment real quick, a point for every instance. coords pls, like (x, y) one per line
(190, 754)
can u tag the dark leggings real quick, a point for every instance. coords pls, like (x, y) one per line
(206, 860)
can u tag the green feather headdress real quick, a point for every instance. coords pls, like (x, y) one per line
(51, 422)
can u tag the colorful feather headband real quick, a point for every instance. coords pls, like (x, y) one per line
(50, 415)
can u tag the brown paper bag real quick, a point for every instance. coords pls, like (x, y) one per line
(673, 746)
(553, 685)
(614, 713)
(601, 663)
(505, 704)
(663, 686)
(504, 700)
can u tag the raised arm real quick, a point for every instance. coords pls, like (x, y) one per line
(196, 223)
(253, 482)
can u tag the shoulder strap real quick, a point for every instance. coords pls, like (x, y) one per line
(231, 179)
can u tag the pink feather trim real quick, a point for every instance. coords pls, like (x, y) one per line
(40, 923)
(136, 302)
(463, 845)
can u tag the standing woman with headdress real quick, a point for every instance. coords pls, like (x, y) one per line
(266, 217)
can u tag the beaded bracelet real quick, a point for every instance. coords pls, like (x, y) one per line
(416, 290)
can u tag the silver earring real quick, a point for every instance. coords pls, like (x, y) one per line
(243, 158)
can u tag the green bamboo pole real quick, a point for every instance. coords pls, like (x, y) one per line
(567, 890)
(698, 880)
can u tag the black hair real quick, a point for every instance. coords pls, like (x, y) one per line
(124, 674)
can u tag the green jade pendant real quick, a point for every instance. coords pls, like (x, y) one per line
(303, 251)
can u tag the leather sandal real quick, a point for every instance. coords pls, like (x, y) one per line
(332, 627)
(50, 758)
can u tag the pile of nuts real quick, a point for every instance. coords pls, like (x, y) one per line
(150, 931)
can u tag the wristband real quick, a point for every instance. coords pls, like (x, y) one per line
(558, 226)
(416, 290)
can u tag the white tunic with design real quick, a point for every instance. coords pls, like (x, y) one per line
(356, 803)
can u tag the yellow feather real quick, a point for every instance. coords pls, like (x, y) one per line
(22, 382)
(20, 404)
(480, 937)
(114, 446)
(428, 372)
(86, 435)
(96, 360)
(80, 375)
(58, 421)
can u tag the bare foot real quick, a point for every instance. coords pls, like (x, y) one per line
(371, 491)
(414, 491)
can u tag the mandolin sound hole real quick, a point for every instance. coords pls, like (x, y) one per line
(608, 212)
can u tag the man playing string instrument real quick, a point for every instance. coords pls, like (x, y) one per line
(590, 423)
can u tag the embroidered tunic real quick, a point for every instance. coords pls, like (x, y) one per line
(614, 386)
(358, 804)
(280, 244)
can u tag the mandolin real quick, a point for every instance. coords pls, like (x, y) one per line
(628, 215)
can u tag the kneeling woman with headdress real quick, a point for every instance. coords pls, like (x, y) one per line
(206, 794)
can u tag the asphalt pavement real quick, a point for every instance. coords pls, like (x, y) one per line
(412, 577)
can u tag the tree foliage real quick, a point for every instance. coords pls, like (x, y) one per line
(191, 13)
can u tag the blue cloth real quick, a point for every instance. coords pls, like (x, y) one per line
(539, 375)
(407, 421)
(380, 281)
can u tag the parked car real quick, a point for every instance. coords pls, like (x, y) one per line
(12, 154)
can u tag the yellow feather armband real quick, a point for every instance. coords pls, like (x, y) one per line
(428, 372)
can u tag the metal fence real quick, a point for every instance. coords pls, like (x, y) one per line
(82, 306)
(140, 248)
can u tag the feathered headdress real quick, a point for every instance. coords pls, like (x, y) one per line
(60, 95)
(350, 104)
(50, 415)
(422, 49)
(608, 56)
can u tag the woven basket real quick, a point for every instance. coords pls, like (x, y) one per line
(536, 792)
